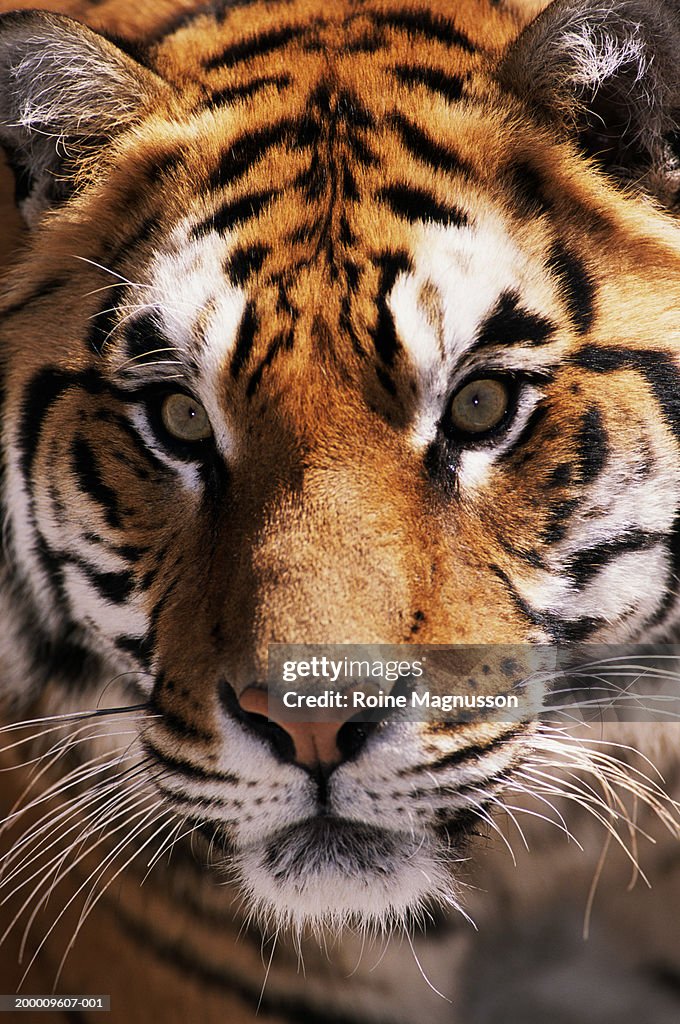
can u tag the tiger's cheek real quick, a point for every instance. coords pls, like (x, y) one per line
(584, 512)
(103, 522)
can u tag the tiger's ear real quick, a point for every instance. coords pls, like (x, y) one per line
(64, 93)
(608, 71)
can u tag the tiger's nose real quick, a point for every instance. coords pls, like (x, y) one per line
(311, 745)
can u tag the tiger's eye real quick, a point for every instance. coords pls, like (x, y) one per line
(185, 418)
(479, 406)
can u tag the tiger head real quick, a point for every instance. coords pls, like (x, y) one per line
(353, 327)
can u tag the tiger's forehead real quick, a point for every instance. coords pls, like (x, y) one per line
(325, 203)
(404, 324)
(286, 40)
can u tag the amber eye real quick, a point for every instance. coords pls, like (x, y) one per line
(185, 418)
(479, 406)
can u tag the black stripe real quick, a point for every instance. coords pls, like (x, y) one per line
(137, 647)
(236, 211)
(561, 475)
(173, 24)
(426, 150)
(527, 188)
(144, 338)
(164, 164)
(245, 339)
(353, 273)
(41, 393)
(361, 151)
(371, 42)
(136, 48)
(348, 106)
(578, 287)
(464, 755)
(312, 181)
(526, 434)
(528, 555)
(424, 23)
(386, 381)
(144, 232)
(180, 766)
(347, 325)
(560, 517)
(221, 9)
(458, 825)
(61, 658)
(658, 368)
(346, 235)
(141, 449)
(674, 548)
(53, 570)
(161, 603)
(416, 204)
(246, 261)
(447, 85)
(116, 251)
(39, 397)
(242, 153)
(58, 506)
(384, 334)
(559, 630)
(589, 561)
(350, 190)
(280, 1005)
(179, 726)
(441, 462)
(103, 325)
(115, 587)
(592, 445)
(282, 341)
(90, 481)
(255, 46)
(56, 656)
(509, 324)
(41, 291)
(304, 233)
(231, 93)
(202, 804)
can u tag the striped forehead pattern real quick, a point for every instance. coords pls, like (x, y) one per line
(333, 159)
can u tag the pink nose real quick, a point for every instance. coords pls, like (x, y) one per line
(315, 742)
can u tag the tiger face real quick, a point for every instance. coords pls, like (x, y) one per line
(332, 330)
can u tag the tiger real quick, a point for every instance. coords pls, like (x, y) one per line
(332, 324)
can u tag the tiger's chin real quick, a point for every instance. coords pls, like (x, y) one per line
(329, 874)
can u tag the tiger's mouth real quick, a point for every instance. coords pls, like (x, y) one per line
(307, 848)
(328, 871)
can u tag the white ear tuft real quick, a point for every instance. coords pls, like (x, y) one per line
(64, 92)
(598, 56)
